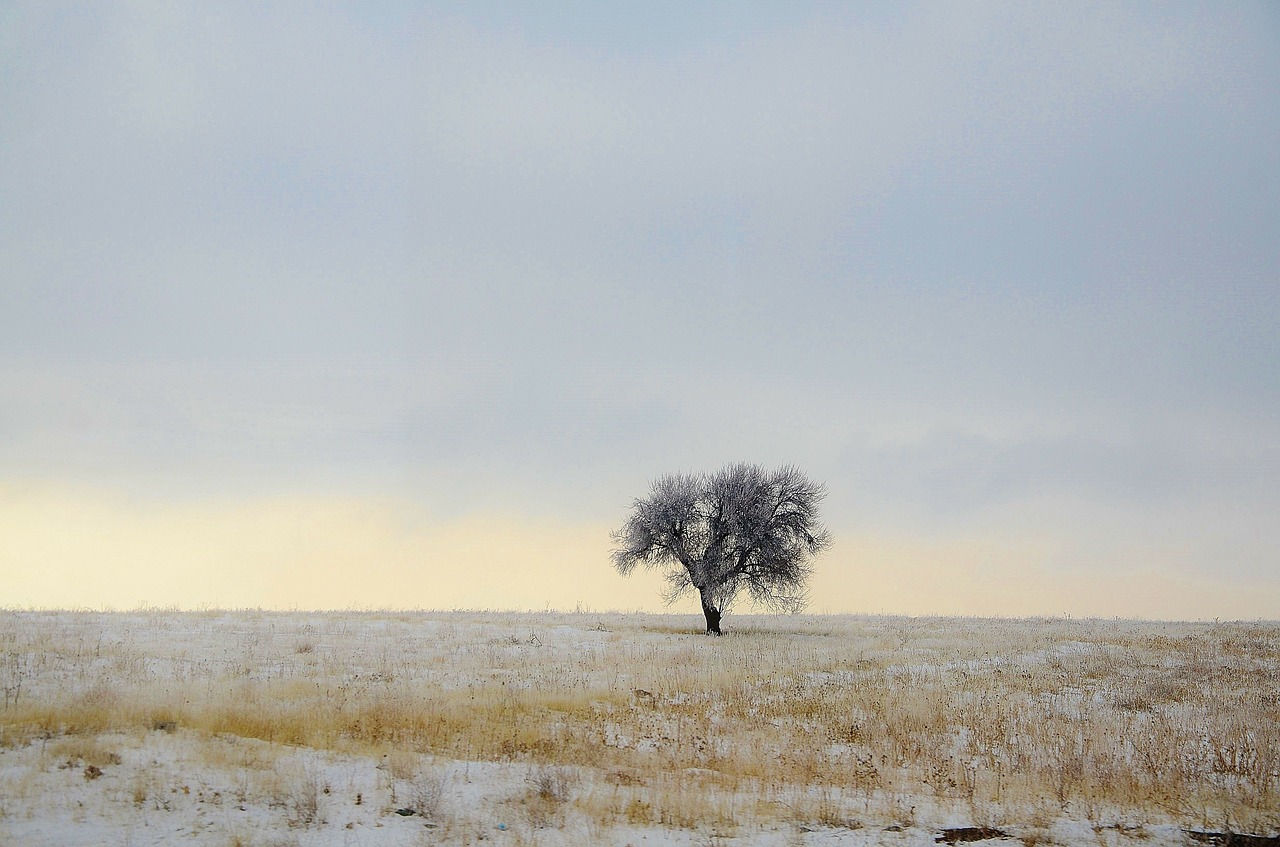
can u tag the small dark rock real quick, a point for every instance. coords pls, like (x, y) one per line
(969, 833)
(404, 813)
(1233, 839)
(92, 772)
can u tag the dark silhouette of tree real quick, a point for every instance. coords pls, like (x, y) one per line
(742, 527)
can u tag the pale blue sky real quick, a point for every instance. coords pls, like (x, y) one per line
(996, 272)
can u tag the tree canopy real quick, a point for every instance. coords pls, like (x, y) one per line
(740, 528)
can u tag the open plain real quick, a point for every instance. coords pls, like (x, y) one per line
(413, 728)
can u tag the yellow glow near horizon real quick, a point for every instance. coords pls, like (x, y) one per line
(66, 547)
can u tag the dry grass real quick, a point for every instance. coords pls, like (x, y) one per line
(636, 720)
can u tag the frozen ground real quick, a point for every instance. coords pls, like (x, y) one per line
(264, 728)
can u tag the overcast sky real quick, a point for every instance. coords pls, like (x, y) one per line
(462, 278)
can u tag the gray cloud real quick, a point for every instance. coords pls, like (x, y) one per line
(963, 261)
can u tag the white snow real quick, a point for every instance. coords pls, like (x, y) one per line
(112, 734)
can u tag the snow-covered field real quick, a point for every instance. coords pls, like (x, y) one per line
(389, 728)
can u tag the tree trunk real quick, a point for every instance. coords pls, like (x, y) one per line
(712, 614)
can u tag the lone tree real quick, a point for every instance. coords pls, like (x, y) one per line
(742, 527)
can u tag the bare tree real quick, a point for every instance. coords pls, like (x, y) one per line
(742, 527)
